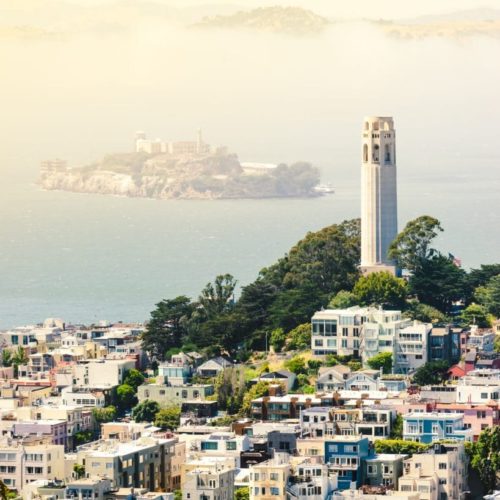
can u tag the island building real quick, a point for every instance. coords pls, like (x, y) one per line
(175, 148)
(379, 213)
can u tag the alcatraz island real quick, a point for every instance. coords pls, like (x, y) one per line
(182, 170)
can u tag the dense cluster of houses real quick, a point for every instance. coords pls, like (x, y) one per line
(312, 446)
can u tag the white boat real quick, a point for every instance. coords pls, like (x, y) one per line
(324, 189)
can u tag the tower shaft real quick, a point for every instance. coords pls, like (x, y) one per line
(379, 220)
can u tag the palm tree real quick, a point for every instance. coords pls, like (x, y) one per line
(20, 357)
(6, 358)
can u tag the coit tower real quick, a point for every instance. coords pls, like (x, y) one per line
(379, 202)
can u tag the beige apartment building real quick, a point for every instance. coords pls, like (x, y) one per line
(268, 479)
(22, 464)
(438, 475)
(101, 373)
(212, 484)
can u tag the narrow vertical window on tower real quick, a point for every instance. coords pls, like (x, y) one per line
(387, 153)
(365, 153)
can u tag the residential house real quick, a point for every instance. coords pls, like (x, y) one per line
(481, 340)
(143, 463)
(430, 427)
(56, 430)
(21, 463)
(332, 378)
(213, 367)
(384, 469)
(165, 394)
(223, 444)
(479, 387)
(178, 371)
(311, 480)
(284, 377)
(269, 480)
(101, 373)
(345, 455)
(444, 344)
(209, 484)
(342, 331)
(411, 347)
(363, 380)
(97, 488)
(440, 474)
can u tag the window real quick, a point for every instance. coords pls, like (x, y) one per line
(484, 395)
(442, 480)
(435, 428)
(481, 414)
(275, 491)
(442, 465)
(208, 445)
(372, 469)
(231, 445)
(274, 476)
(345, 332)
(344, 343)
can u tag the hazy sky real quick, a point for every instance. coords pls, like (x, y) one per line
(338, 8)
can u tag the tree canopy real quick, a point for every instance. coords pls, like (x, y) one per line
(488, 295)
(433, 372)
(381, 360)
(168, 418)
(145, 411)
(412, 245)
(438, 282)
(167, 326)
(485, 456)
(381, 289)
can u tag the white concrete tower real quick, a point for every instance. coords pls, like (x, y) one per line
(379, 200)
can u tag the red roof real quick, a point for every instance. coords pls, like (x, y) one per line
(456, 371)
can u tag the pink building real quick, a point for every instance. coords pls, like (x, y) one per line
(55, 429)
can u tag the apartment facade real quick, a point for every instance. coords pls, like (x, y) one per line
(344, 456)
(268, 480)
(411, 347)
(209, 485)
(22, 464)
(143, 463)
(440, 474)
(356, 331)
(429, 427)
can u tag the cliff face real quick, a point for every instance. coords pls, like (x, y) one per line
(163, 177)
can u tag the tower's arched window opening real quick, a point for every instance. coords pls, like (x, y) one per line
(365, 153)
(376, 153)
(387, 153)
(367, 125)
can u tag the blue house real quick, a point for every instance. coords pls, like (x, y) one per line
(429, 427)
(345, 454)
